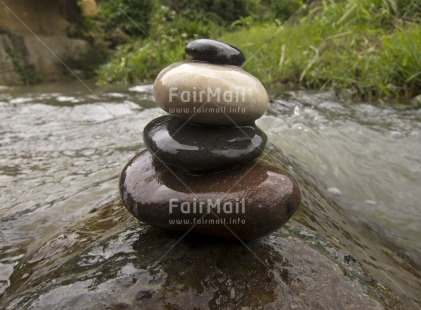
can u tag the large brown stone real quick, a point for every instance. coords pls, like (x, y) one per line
(249, 201)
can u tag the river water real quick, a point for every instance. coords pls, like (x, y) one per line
(62, 149)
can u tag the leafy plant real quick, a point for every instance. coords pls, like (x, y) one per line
(132, 16)
(368, 46)
(25, 72)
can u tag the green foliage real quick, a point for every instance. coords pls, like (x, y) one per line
(408, 9)
(167, 25)
(368, 46)
(357, 45)
(400, 57)
(72, 12)
(220, 11)
(139, 61)
(132, 16)
(284, 9)
(88, 61)
(25, 72)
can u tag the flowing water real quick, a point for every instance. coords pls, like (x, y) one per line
(62, 149)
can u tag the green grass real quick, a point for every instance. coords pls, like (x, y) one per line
(138, 62)
(341, 46)
(369, 47)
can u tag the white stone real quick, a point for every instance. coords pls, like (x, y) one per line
(211, 94)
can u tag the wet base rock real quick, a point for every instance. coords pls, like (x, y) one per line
(245, 202)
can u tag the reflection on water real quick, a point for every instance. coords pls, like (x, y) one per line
(125, 268)
(61, 153)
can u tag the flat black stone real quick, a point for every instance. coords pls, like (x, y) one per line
(215, 52)
(202, 148)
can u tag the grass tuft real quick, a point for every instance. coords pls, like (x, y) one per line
(368, 46)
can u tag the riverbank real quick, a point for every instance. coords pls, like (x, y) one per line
(367, 49)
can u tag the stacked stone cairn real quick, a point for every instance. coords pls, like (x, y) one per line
(201, 170)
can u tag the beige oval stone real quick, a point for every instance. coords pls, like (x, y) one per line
(211, 94)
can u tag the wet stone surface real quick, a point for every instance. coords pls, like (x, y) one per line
(119, 264)
(216, 52)
(250, 200)
(210, 94)
(202, 148)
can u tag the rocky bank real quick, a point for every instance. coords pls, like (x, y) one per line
(36, 37)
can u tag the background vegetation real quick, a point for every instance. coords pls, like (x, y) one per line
(370, 48)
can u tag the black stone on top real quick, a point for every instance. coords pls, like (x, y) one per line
(215, 52)
(202, 148)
